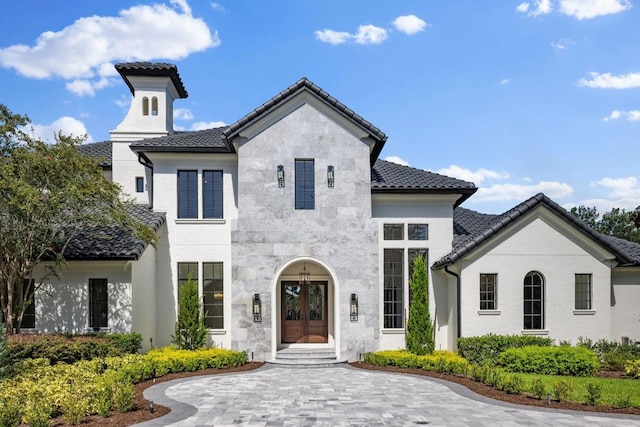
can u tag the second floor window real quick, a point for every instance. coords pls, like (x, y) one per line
(212, 194)
(305, 184)
(187, 194)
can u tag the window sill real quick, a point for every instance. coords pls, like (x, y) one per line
(200, 221)
(393, 331)
(216, 332)
(489, 312)
(584, 312)
(535, 332)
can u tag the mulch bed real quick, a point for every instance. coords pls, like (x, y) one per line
(520, 399)
(141, 411)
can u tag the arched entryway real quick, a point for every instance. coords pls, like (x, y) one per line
(304, 310)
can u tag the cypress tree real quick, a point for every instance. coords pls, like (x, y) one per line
(190, 331)
(419, 328)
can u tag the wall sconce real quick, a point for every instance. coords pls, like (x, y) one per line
(330, 177)
(280, 176)
(257, 308)
(353, 308)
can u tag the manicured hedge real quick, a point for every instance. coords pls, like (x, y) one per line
(487, 348)
(438, 361)
(37, 390)
(562, 360)
(632, 368)
(70, 348)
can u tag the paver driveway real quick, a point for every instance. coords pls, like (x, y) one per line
(345, 396)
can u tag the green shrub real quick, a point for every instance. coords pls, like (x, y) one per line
(593, 394)
(538, 389)
(632, 368)
(420, 338)
(103, 398)
(562, 390)
(564, 360)
(190, 331)
(127, 343)
(123, 395)
(37, 410)
(622, 401)
(10, 412)
(513, 384)
(487, 348)
(74, 408)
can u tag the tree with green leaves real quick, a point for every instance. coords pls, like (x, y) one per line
(419, 327)
(4, 352)
(48, 194)
(616, 222)
(190, 331)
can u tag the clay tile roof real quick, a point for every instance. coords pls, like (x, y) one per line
(111, 242)
(98, 150)
(388, 177)
(152, 69)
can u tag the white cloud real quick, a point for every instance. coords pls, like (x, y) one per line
(83, 52)
(610, 81)
(409, 24)
(182, 114)
(217, 7)
(622, 193)
(562, 44)
(397, 160)
(66, 125)
(123, 102)
(587, 9)
(476, 177)
(505, 81)
(519, 192)
(632, 115)
(333, 37)
(535, 8)
(207, 125)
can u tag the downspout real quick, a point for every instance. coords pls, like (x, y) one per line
(458, 304)
(144, 161)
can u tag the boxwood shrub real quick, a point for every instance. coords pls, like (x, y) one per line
(487, 348)
(561, 360)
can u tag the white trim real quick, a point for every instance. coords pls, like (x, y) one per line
(200, 221)
(489, 312)
(535, 332)
(393, 331)
(584, 312)
(216, 332)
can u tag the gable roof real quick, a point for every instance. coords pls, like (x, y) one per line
(98, 150)
(301, 85)
(111, 242)
(154, 69)
(472, 230)
(388, 177)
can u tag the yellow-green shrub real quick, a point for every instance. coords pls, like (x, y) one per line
(439, 361)
(632, 368)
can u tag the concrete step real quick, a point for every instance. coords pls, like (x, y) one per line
(306, 357)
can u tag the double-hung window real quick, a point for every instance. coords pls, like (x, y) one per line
(98, 303)
(583, 291)
(187, 194)
(488, 288)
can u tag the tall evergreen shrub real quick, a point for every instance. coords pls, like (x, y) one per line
(190, 331)
(419, 328)
(4, 352)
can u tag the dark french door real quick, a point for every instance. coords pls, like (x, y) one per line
(304, 312)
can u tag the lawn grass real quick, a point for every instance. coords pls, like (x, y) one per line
(614, 390)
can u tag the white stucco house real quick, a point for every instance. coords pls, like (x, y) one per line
(299, 236)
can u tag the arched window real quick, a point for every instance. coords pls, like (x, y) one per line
(533, 301)
(154, 106)
(145, 106)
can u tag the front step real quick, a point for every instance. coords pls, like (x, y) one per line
(306, 357)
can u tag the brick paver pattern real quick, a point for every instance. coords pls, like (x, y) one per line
(345, 396)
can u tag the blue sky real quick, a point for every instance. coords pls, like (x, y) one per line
(519, 97)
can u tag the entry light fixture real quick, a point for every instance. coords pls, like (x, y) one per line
(280, 176)
(257, 308)
(330, 176)
(304, 275)
(353, 308)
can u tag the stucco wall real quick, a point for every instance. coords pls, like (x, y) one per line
(558, 253)
(63, 305)
(192, 240)
(143, 291)
(436, 211)
(625, 304)
(338, 232)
